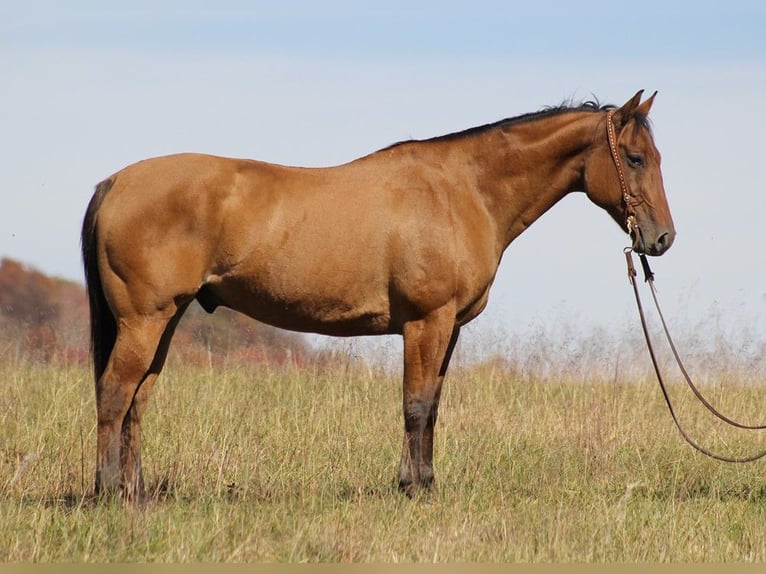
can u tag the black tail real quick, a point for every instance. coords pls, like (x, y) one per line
(103, 327)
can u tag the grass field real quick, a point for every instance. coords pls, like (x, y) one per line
(268, 465)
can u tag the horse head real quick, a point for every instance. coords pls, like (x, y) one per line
(623, 176)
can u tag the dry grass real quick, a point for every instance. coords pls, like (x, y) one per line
(264, 465)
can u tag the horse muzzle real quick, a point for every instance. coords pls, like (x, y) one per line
(651, 242)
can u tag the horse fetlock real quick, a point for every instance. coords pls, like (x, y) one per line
(426, 475)
(413, 488)
(110, 484)
(107, 481)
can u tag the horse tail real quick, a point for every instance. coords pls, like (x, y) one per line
(103, 327)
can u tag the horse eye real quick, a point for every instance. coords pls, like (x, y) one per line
(635, 160)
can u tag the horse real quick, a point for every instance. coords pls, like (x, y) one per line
(406, 241)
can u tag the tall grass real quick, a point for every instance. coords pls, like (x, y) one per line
(287, 465)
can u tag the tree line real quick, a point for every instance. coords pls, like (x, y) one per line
(45, 318)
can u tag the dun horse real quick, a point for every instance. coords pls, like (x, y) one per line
(405, 241)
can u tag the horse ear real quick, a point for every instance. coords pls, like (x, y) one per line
(622, 115)
(646, 105)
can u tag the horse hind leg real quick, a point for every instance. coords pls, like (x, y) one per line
(122, 394)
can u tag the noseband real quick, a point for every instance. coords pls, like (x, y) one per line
(630, 202)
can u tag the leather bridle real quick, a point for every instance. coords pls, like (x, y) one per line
(630, 202)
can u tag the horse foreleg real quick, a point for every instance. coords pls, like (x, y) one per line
(428, 343)
(426, 465)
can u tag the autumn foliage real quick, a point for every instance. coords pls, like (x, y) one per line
(46, 319)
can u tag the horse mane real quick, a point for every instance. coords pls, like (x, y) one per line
(565, 107)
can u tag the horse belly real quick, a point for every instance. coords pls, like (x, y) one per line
(314, 306)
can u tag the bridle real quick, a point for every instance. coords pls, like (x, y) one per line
(630, 202)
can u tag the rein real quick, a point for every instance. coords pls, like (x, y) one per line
(649, 277)
(633, 230)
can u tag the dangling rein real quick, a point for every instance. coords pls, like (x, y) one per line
(633, 229)
(649, 278)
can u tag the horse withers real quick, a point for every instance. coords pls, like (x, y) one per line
(406, 240)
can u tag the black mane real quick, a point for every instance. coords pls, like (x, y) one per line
(565, 107)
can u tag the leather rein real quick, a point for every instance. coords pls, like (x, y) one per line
(633, 230)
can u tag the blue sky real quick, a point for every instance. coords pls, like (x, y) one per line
(89, 87)
(652, 29)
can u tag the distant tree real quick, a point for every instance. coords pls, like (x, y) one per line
(73, 313)
(28, 302)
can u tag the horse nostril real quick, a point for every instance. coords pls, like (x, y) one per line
(664, 241)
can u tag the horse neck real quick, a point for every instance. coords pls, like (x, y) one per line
(528, 167)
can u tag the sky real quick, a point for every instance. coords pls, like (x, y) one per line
(90, 87)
